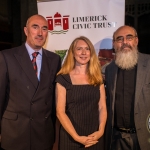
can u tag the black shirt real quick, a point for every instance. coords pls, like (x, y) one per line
(124, 98)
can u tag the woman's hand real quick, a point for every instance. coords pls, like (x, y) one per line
(95, 136)
(86, 140)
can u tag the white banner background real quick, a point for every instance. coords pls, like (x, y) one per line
(110, 14)
(112, 11)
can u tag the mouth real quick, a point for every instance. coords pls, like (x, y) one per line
(126, 48)
(39, 38)
(83, 58)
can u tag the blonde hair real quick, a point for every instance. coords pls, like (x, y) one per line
(94, 68)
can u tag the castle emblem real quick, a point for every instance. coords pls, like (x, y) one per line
(58, 24)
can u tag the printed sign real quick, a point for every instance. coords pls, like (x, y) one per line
(96, 19)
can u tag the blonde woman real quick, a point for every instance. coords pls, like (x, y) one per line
(80, 98)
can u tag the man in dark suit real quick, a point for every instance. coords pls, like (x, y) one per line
(128, 94)
(27, 80)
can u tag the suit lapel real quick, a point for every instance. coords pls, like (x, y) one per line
(141, 73)
(46, 69)
(24, 60)
(113, 87)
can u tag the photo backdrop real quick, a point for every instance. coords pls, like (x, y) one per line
(95, 19)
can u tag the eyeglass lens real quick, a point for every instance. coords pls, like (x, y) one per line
(128, 38)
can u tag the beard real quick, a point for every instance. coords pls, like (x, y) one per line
(126, 59)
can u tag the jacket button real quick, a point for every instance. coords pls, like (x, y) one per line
(31, 118)
(45, 117)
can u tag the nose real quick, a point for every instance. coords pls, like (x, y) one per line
(40, 32)
(125, 40)
(83, 51)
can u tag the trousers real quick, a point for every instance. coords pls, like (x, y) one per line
(124, 141)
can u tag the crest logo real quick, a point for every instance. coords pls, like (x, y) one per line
(58, 24)
(148, 122)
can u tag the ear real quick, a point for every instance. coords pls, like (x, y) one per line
(26, 31)
(136, 40)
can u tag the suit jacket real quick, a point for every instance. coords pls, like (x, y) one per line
(25, 103)
(141, 102)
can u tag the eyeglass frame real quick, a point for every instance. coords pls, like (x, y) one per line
(127, 38)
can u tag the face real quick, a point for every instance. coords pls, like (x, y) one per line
(82, 53)
(125, 44)
(125, 39)
(36, 31)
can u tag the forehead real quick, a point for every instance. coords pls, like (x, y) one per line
(123, 31)
(38, 20)
(81, 42)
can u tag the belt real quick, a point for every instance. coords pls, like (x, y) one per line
(129, 130)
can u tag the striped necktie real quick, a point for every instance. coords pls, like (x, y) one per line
(34, 61)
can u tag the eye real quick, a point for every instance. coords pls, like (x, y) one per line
(129, 37)
(35, 26)
(78, 48)
(44, 28)
(119, 39)
(87, 48)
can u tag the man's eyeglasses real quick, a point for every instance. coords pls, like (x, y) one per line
(120, 39)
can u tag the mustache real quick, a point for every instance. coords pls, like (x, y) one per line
(125, 45)
(39, 36)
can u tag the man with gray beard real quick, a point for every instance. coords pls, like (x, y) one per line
(128, 94)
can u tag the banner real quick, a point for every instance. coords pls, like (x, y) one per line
(95, 19)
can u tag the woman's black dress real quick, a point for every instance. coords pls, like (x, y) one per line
(82, 110)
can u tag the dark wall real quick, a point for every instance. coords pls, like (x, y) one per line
(143, 31)
(13, 16)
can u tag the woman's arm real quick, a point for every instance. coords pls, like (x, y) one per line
(102, 109)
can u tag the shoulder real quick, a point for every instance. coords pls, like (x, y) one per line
(144, 56)
(53, 58)
(51, 54)
(144, 59)
(63, 79)
(9, 53)
(111, 66)
(12, 50)
(112, 63)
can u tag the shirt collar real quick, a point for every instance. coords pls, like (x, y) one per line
(30, 50)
